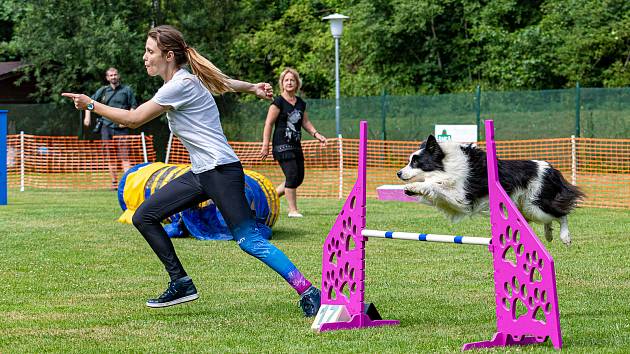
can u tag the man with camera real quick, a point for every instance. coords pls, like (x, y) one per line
(120, 96)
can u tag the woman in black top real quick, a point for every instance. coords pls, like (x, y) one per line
(288, 114)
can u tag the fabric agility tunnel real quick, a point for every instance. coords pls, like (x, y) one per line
(203, 221)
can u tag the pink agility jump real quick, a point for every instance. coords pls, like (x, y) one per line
(531, 281)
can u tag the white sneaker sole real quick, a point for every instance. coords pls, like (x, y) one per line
(174, 302)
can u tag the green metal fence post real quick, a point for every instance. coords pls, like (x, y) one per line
(578, 100)
(478, 110)
(384, 114)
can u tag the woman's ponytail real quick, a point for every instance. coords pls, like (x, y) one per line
(168, 38)
(211, 77)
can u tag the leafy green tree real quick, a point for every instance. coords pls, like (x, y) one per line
(68, 45)
(294, 35)
(11, 13)
(593, 41)
(403, 46)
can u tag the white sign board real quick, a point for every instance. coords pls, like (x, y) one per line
(459, 133)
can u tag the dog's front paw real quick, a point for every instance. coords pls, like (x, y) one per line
(413, 189)
(409, 192)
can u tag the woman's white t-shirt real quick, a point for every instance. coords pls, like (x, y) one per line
(194, 119)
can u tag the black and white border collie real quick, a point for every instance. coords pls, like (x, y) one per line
(453, 178)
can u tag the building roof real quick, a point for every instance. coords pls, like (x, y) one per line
(6, 67)
(10, 92)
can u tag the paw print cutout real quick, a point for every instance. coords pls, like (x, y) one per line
(510, 243)
(514, 297)
(540, 304)
(533, 266)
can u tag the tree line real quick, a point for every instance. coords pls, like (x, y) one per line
(402, 47)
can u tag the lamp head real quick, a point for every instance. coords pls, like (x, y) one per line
(336, 24)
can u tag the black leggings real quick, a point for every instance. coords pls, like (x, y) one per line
(225, 185)
(293, 170)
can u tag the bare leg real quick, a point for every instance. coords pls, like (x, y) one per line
(126, 165)
(112, 162)
(548, 230)
(112, 173)
(292, 199)
(280, 189)
(564, 230)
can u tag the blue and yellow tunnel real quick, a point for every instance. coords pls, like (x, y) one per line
(204, 221)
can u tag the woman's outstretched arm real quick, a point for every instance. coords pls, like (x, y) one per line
(261, 90)
(132, 119)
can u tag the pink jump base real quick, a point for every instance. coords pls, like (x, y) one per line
(503, 340)
(394, 192)
(357, 321)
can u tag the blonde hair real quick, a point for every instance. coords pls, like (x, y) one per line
(295, 74)
(168, 38)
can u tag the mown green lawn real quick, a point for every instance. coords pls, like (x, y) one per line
(75, 280)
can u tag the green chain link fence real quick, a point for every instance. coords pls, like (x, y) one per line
(583, 112)
(589, 113)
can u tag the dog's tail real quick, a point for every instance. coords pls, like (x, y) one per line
(567, 196)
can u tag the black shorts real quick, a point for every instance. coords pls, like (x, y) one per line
(120, 146)
(293, 169)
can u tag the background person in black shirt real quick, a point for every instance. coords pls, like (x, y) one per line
(288, 115)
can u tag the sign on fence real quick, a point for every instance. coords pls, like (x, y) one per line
(459, 133)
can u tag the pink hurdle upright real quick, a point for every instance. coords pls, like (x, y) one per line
(524, 274)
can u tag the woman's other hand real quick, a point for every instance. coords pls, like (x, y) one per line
(263, 90)
(322, 139)
(264, 151)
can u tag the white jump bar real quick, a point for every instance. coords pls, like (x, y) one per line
(466, 240)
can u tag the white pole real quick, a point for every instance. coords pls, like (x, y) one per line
(338, 117)
(337, 107)
(465, 240)
(144, 148)
(21, 161)
(168, 147)
(573, 161)
(340, 167)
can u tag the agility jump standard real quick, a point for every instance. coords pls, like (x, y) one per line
(531, 281)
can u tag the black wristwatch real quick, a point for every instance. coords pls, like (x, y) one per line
(90, 106)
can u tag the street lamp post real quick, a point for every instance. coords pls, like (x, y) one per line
(336, 28)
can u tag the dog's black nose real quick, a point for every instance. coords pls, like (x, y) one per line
(398, 174)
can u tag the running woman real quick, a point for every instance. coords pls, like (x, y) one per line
(216, 172)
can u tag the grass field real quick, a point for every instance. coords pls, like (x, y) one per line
(74, 280)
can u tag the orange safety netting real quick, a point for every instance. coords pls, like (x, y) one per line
(600, 167)
(65, 162)
(322, 165)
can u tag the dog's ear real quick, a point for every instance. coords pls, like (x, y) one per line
(432, 146)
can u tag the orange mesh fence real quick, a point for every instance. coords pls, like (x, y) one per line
(321, 164)
(65, 162)
(600, 167)
(603, 171)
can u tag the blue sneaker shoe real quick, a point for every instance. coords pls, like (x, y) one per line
(178, 291)
(310, 301)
